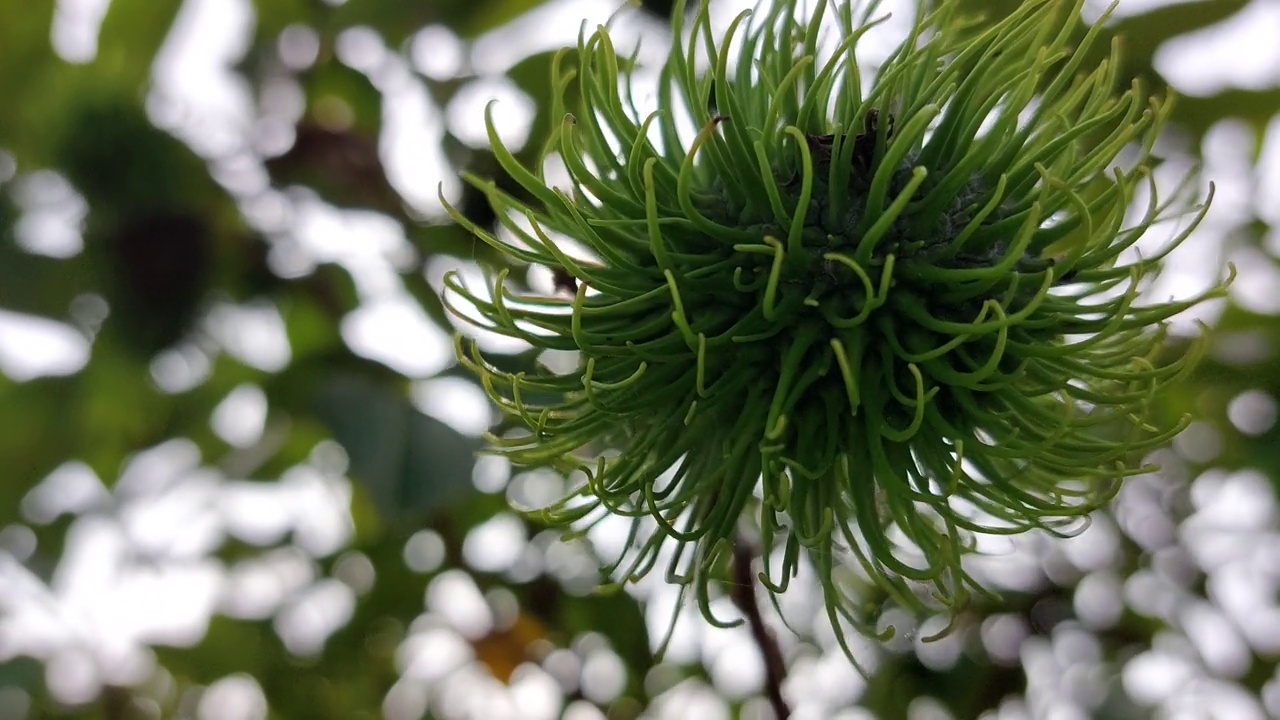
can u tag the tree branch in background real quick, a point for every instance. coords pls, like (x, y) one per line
(743, 594)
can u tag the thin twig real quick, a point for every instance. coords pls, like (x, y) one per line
(743, 594)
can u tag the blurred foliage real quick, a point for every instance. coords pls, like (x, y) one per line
(167, 240)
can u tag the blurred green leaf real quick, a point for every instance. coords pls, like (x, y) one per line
(410, 463)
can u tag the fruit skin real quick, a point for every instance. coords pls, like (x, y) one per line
(874, 322)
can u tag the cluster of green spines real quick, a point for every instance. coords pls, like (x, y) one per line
(880, 320)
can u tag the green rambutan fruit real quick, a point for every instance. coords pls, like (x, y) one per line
(869, 320)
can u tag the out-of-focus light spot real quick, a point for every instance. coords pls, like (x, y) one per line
(535, 693)
(1237, 501)
(1072, 644)
(273, 136)
(235, 697)
(1193, 62)
(177, 522)
(927, 708)
(16, 703)
(437, 52)
(1199, 443)
(398, 333)
(151, 471)
(1252, 412)
(560, 362)
(565, 666)
(180, 368)
(19, 541)
(1093, 9)
(320, 507)
(512, 112)
(329, 458)
(572, 563)
(458, 403)
(553, 25)
(453, 595)
(241, 416)
(360, 48)
(197, 94)
(306, 622)
(406, 700)
(167, 603)
(32, 347)
(255, 512)
(942, 653)
(495, 544)
(298, 45)
(52, 215)
(583, 710)
(432, 654)
(8, 166)
(691, 699)
(424, 551)
(1221, 648)
(534, 489)
(1254, 290)
(1227, 150)
(505, 607)
(1095, 548)
(89, 311)
(1270, 694)
(661, 678)
(1002, 637)
(473, 693)
(829, 681)
(528, 566)
(1097, 600)
(1241, 348)
(356, 570)
(1151, 594)
(253, 333)
(241, 173)
(410, 146)
(1267, 187)
(736, 670)
(257, 587)
(71, 488)
(491, 473)
(603, 676)
(72, 677)
(1153, 676)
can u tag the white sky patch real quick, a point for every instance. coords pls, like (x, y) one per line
(180, 368)
(412, 154)
(370, 245)
(1239, 52)
(52, 215)
(197, 95)
(551, 26)
(75, 28)
(241, 416)
(397, 332)
(459, 403)
(437, 52)
(235, 697)
(33, 347)
(512, 112)
(1093, 9)
(253, 333)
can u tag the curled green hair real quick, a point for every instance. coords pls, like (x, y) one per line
(881, 320)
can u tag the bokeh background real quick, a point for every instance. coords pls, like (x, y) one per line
(237, 461)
